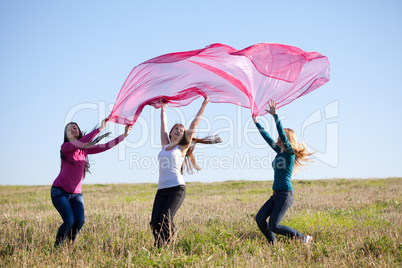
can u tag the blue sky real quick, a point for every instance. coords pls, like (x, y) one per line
(68, 60)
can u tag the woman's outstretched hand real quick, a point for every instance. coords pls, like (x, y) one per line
(255, 119)
(163, 102)
(272, 107)
(103, 124)
(206, 99)
(127, 130)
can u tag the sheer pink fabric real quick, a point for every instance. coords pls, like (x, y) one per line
(249, 78)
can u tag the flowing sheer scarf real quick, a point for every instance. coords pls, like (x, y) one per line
(248, 78)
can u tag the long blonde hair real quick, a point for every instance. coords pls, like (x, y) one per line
(189, 160)
(299, 149)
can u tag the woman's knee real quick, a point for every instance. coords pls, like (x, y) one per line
(68, 224)
(260, 217)
(79, 223)
(72, 222)
(273, 226)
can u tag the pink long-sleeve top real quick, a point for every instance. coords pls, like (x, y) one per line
(71, 174)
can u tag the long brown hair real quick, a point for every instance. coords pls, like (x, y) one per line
(189, 160)
(80, 135)
(299, 149)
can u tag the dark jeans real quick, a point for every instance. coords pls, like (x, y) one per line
(71, 209)
(167, 202)
(275, 208)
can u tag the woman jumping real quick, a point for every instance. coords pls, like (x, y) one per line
(290, 156)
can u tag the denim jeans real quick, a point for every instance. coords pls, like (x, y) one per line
(167, 202)
(275, 208)
(71, 209)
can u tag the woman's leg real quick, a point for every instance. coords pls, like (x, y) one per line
(282, 203)
(159, 201)
(173, 202)
(77, 204)
(61, 202)
(261, 219)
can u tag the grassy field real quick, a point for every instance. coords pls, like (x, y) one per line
(355, 223)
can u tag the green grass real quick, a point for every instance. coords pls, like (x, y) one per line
(355, 223)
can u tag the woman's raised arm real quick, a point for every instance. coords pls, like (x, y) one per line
(190, 132)
(164, 131)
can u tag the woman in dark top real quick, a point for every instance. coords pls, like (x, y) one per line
(290, 156)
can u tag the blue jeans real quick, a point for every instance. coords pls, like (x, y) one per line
(167, 202)
(275, 208)
(71, 209)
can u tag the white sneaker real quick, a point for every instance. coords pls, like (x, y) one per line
(307, 239)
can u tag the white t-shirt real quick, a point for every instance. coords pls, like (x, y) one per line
(170, 163)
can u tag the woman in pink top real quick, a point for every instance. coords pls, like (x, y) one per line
(66, 189)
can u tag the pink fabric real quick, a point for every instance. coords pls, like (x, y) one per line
(71, 174)
(249, 78)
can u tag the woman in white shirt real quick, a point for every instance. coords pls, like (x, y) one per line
(177, 153)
